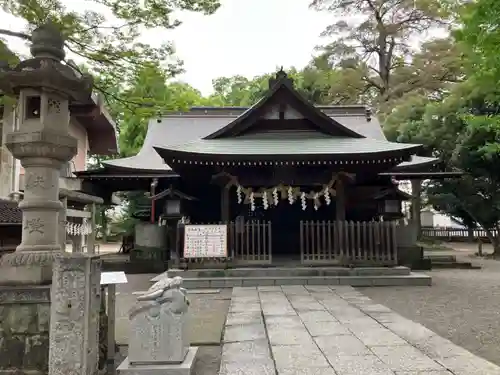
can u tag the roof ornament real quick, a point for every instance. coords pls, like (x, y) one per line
(280, 78)
(47, 42)
(368, 113)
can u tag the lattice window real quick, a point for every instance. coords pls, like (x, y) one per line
(54, 106)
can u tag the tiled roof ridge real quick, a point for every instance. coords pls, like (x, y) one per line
(10, 213)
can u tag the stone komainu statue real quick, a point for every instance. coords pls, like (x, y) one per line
(167, 291)
(158, 324)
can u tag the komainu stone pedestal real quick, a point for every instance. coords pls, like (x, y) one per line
(24, 329)
(158, 342)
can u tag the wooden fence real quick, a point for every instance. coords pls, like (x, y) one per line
(456, 234)
(250, 242)
(348, 242)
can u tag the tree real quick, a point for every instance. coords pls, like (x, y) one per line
(480, 30)
(374, 42)
(151, 95)
(463, 130)
(107, 37)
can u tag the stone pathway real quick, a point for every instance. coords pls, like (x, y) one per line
(323, 330)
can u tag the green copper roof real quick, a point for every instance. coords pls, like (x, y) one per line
(289, 146)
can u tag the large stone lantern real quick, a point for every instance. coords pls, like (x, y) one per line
(44, 87)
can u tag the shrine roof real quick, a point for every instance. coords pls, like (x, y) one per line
(281, 123)
(181, 127)
(280, 144)
(416, 164)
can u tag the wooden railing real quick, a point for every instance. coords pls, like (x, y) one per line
(348, 242)
(250, 242)
(456, 234)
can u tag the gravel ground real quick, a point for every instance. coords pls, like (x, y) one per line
(462, 305)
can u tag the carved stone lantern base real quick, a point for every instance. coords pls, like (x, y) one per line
(27, 268)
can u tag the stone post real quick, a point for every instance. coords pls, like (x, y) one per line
(44, 87)
(74, 318)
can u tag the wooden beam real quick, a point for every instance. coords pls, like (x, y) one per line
(224, 204)
(77, 213)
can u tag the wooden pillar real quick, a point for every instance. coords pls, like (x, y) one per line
(416, 205)
(62, 223)
(224, 204)
(339, 200)
(92, 235)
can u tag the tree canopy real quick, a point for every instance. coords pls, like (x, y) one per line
(107, 35)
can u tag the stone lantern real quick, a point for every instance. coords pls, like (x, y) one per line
(43, 87)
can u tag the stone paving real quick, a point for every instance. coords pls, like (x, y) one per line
(332, 330)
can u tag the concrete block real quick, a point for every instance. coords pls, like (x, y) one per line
(184, 368)
(341, 345)
(356, 280)
(298, 356)
(246, 351)
(290, 336)
(316, 316)
(195, 283)
(368, 364)
(232, 282)
(323, 280)
(248, 317)
(258, 281)
(406, 358)
(331, 328)
(247, 368)
(308, 371)
(244, 332)
(290, 281)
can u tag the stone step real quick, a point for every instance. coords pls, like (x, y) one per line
(456, 265)
(300, 272)
(413, 279)
(441, 258)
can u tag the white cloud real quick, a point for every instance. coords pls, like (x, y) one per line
(243, 37)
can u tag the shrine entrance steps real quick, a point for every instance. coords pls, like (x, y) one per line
(360, 276)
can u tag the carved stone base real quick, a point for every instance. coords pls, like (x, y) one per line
(25, 275)
(24, 329)
(184, 368)
(31, 258)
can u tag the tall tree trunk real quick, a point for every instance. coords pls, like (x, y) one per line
(494, 242)
(416, 205)
(470, 234)
(104, 223)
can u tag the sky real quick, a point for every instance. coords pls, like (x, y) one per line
(243, 37)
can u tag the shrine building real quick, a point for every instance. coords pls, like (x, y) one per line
(289, 182)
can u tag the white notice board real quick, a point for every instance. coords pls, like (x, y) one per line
(108, 278)
(205, 241)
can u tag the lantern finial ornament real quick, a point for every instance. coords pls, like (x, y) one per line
(47, 42)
